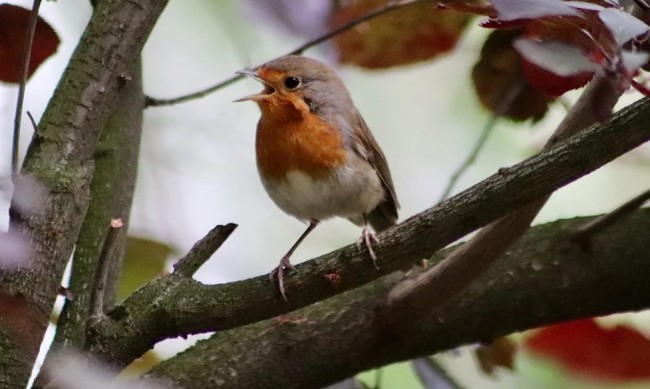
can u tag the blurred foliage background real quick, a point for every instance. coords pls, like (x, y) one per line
(197, 166)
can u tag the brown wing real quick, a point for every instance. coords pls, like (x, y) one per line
(385, 214)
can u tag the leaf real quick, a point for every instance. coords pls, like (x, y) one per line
(618, 354)
(144, 260)
(554, 67)
(623, 26)
(20, 317)
(550, 83)
(531, 9)
(498, 71)
(407, 35)
(562, 38)
(14, 22)
(555, 57)
(500, 353)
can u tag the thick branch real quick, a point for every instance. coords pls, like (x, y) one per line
(60, 156)
(439, 285)
(111, 196)
(544, 279)
(175, 306)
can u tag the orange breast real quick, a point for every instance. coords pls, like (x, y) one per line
(289, 138)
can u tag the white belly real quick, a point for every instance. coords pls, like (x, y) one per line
(346, 193)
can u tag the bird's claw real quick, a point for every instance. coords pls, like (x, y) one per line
(279, 271)
(368, 238)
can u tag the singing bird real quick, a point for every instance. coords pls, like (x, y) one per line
(316, 156)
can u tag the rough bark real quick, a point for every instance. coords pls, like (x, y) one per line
(176, 306)
(60, 159)
(442, 283)
(111, 193)
(545, 278)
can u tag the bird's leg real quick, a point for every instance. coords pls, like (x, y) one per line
(368, 238)
(285, 263)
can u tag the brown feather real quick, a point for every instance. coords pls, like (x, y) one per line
(385, 213)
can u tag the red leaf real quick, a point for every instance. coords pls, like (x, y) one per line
(410, 34)
(550, 83)
(20, 317)
(532, 9)
(617, 354)
(498, 72)
(13, 30)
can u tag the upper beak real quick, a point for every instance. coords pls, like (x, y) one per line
(268, 89)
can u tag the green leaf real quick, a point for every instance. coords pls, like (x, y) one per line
(144, 260)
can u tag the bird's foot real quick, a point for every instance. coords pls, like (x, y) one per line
(368, 238)
(279, 271)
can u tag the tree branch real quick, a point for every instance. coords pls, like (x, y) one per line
(60, 158)
(24, 74)
(97, 310)
(111, 191)
(544, 279)
(203, 250)
(584, 233)
(175, 306)
(391, 6)
(439, 285)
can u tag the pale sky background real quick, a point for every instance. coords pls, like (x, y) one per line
(197, 166)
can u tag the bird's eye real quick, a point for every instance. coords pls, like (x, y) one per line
(291, 82)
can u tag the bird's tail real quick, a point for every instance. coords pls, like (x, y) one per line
(383, 216)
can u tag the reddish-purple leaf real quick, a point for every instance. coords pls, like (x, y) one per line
(13, 31)
(555, 57)
(532, 9)
(553, 85)
(623, 26)
(499, 72)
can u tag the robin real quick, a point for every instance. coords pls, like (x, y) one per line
(315, 154)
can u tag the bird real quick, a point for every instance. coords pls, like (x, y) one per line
(316, 157)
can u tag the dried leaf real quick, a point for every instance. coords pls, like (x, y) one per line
(144, 260)
(498, 71)
(410, 34)
(500, 353)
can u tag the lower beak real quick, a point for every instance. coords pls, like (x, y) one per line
(258, 96)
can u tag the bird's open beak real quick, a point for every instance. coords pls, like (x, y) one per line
(268, 89)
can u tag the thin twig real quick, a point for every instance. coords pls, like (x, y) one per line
(27, 54)
(203, 250)
(437, 286)
(471, 157)
(388, 8)
(585, 232)
(31, 119)
(103, 266)
(154, 102)
(501, 109)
